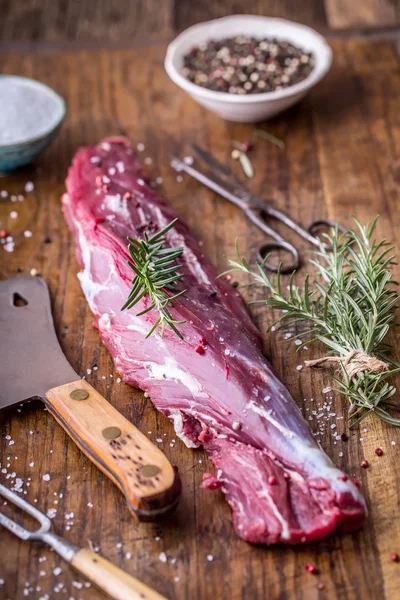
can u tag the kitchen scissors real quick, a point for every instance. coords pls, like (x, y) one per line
(222, 181)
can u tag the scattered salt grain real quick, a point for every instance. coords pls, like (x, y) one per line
(299, 367)
(128, 555)
(51, 513)
(326, 390)
(13, 214)
(163, 557)
(29, 186)
(57, 571)
(27, 233)
(147, 161)
(120, 166)
(210, 557)
(88, 371)
(298, 342)
(140, 147)
(77, 584)
(188, 160)
(176, 579)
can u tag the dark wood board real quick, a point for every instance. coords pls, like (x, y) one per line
(56, 21)
(341, 158)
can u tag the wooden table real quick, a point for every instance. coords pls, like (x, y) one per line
(55, 21)
(341, 158)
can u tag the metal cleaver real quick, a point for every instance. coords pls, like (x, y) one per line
(32, 364)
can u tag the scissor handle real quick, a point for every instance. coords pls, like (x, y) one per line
(257, 216)
(322, 223)
(269, 247)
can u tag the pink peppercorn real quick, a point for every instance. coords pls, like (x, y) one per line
(379, 451)
(272, 480)
(395, 557)
(364, 464)
(311, 569)
(3, 233)
(343, 477)
(286, 476)
(200, 350)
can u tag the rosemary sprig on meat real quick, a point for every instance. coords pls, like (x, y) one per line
(350, 307)
(156, 275)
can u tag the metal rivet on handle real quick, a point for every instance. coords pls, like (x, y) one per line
(111, 433)
(149, 470)
(80, 394)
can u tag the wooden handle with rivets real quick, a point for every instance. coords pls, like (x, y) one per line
(112, 580)
(150, 484)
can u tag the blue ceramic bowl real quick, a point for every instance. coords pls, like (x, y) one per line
(22, 153)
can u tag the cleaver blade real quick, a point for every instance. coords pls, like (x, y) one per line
(32, 364)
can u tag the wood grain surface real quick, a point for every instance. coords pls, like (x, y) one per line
(341, 158)
(57, 21)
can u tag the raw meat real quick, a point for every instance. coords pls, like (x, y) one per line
(280, 484)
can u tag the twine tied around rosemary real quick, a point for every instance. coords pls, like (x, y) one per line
(354, 362)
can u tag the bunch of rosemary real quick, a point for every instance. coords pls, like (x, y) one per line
(349, 308)
(156, 274)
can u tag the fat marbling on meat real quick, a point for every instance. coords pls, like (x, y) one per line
(278, 481)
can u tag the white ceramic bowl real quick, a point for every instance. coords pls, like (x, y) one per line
(252, 107)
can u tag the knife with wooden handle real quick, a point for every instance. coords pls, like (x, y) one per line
(32, 364)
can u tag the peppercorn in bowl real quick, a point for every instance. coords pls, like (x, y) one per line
(248, 68)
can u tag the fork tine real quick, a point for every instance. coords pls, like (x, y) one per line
(44, 521)
(12, 526)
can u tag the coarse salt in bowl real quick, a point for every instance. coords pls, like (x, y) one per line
(249, 108)
(30, 116)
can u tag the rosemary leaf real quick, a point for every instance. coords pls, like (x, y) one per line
(268, 136)
(350, 309)
(156, 274)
